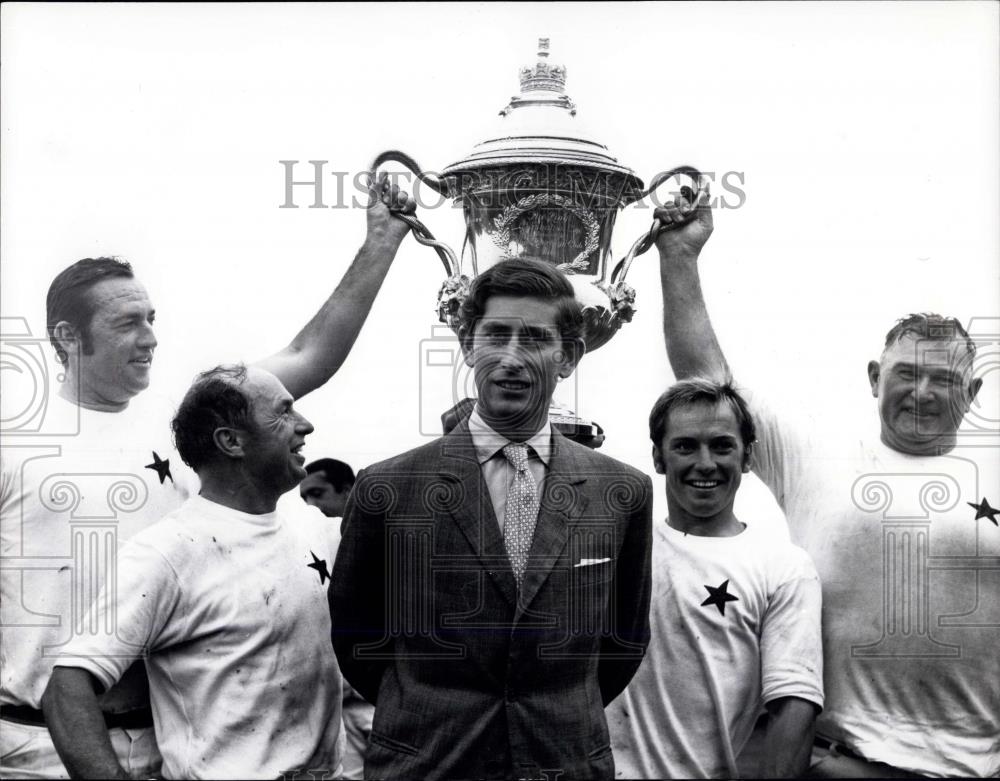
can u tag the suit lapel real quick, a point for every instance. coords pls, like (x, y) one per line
(474, 515)
(562, 503)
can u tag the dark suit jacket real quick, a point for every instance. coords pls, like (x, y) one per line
(467, 682)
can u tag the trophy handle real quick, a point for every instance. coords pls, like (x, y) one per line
(644, 242)
(420, 231)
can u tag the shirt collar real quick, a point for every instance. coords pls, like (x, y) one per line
(488, 442)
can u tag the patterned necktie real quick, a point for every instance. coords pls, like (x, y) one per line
(521, 512)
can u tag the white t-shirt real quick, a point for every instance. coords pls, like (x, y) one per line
(911, 590)
(735, 624)
(67, 502)
(232, 610)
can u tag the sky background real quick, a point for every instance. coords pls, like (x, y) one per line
(866, 135)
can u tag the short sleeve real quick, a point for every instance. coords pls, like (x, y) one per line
(791, 644)
(128, 616)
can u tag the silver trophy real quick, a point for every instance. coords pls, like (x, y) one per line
(539, 188)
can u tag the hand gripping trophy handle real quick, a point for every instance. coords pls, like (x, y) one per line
(646, 241)
(420, 231)
(456, 285)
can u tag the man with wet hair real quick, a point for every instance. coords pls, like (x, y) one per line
(225, 599)
(735, 615)
(900, 519)
(491, 591)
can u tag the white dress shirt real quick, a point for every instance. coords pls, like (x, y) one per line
(497, 470)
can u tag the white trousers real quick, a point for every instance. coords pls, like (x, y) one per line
(27, 751)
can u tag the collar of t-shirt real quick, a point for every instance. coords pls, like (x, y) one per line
(699, 541)
(219, 512)
(497, 471)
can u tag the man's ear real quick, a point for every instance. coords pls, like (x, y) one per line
(974, 387)
(573, 350)
(747, 458)
(230, 441)
(465, 342)
(67, 338)
(658, 461)
(874, 367)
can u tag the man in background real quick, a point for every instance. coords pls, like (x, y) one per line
(326, 486)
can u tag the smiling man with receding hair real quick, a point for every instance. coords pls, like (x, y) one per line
(225, 599)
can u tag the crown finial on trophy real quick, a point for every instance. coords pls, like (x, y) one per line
(551, 78)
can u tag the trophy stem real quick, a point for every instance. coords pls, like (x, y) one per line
(572, 426)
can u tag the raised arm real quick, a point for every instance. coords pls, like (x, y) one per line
(77, 726)
(692, 347)
(319, 349)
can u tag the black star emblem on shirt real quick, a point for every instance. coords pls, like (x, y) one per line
(320, 566)
(983, 510)
(719, 597)
(162, 468)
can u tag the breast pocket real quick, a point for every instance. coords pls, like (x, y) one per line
(591, 553)
(390, 744)
(591, 573)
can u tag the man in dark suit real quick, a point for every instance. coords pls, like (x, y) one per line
(491, 592)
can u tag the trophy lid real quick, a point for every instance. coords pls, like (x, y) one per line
(539, 126)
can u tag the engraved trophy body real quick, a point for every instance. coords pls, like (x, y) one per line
(540, 188)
